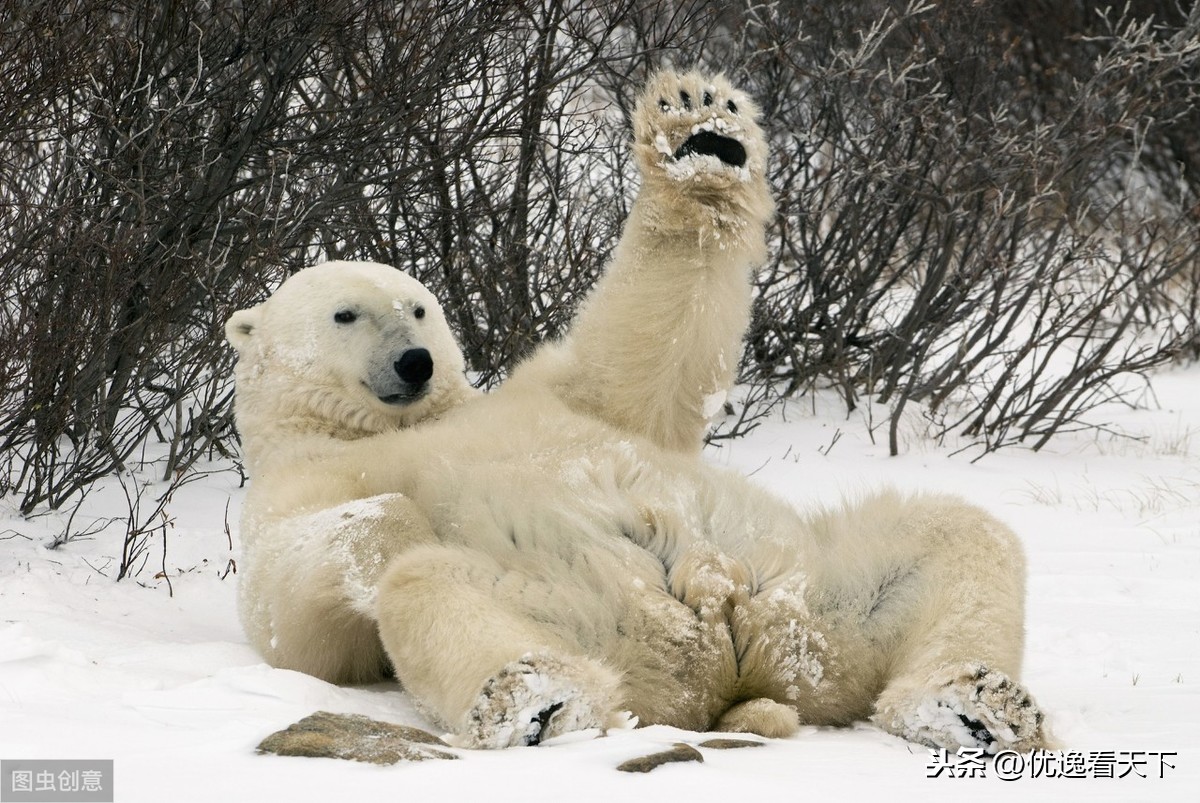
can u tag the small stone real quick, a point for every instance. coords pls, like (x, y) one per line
(730, 744)
(355, 738)
(680, 752)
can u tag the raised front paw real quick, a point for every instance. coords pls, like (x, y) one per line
(697, 128)
(537, 698)
(703, 158)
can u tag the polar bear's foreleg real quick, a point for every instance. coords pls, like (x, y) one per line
(307, 592)
(478, 662)
(658, 341)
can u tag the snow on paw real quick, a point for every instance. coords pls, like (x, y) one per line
(1004, 708)
(697, 128)
(537, 698)
(973, 707)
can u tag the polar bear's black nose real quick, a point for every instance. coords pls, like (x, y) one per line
(415, 366)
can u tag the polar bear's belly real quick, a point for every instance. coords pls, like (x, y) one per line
(563, 531)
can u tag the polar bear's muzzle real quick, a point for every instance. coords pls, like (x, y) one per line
(412, 371)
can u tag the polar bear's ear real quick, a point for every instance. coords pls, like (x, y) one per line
(239, 329)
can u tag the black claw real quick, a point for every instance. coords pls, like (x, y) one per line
(686, 98)
(731, 106)
(662, 104)
(707, 99)
(542, 720)
(979, 731)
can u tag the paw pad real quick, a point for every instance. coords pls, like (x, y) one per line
(969, 706)
(706, 143)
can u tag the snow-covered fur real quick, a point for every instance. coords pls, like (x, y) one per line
(551, 555)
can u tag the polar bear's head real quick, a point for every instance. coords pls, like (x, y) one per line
(344, 349)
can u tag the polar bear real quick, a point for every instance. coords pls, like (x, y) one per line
(553, 555)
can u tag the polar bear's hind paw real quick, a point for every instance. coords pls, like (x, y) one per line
(972, 706)
(538, 697)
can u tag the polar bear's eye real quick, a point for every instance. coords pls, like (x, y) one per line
(419, 312)
(345, 316)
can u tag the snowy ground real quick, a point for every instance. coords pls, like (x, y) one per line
(168, 687)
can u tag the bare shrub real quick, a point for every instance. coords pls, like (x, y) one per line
(165, 165)
(952, 238)
(988, 211)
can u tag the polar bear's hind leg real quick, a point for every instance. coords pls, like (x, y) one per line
(463, 642)
(959, 616)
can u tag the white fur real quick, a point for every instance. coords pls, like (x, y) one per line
(660, 337)
(553, 554)
(311, 566)
(303, 378)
